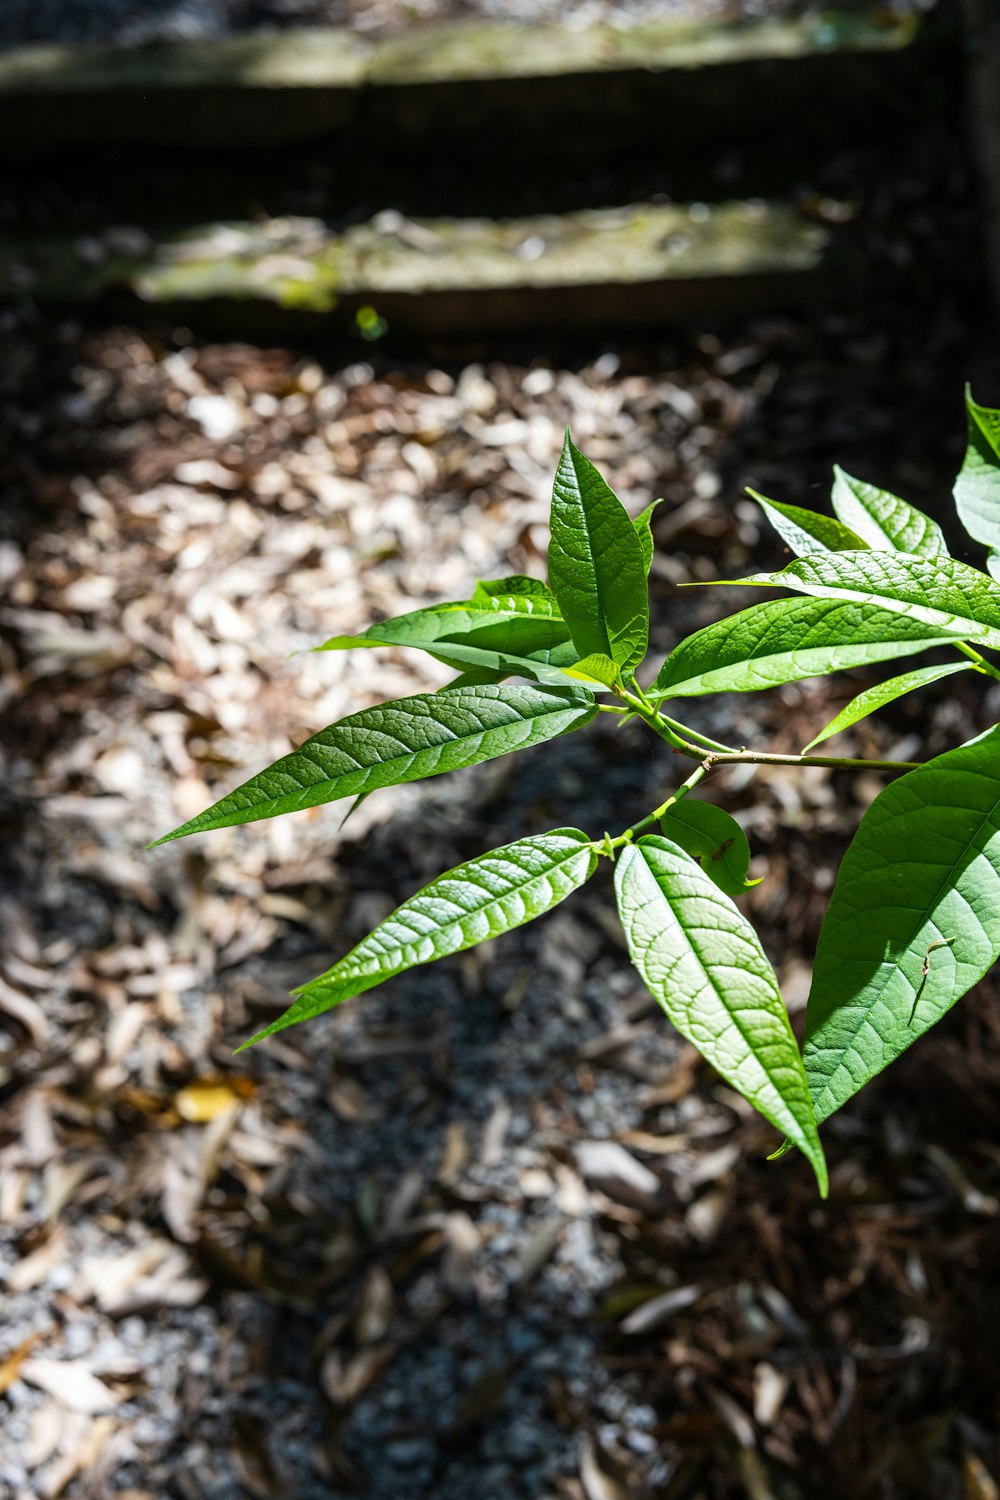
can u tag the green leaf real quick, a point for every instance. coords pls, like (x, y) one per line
(923, 870)
(516, 583)
(505, 636)
(808, 531)
(704, 964)
(509, 624)
(478, 900)
(874, 698)
(977, 488)
(596, 564)
(786, 640)
(937, 591)
(883, 520)
(596, 668)
(643, 524)
(399, 742)
(715, 839)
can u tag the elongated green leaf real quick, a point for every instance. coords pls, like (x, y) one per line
(977, 488)
(399, 742)
(883, 520)
(786, 640)
(643, 524)
(508, 634)
(914, 920)
(596, 564)
(512, 624)
(704, 964)
(715, 839)
(478, 900)
(515, 583)
(874, 698)
(938, 591)
(808, 531)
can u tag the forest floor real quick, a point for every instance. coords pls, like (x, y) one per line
(492, 1229)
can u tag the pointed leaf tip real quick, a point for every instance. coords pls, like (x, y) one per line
(399, 742)
(596, 564)
(478, 900)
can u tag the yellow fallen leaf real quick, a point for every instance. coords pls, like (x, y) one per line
(208, 1098)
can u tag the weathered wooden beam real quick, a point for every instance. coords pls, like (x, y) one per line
(500, 88)
(644, 265)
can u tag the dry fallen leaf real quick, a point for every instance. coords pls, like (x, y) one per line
(10, 1366)
(72, 1382)
(345, 1382)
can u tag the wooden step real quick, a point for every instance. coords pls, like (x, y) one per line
(495, 89)
(639, 266)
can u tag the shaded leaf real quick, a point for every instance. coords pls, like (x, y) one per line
(596, 564)
(874, 698)
(519, 584)
(399, 742)
(484, 636)
(883, 520)
(715, 839)
(914, 920)
(703, 962)
(808, 531)
(786, 640)
(596, 669)
(480, 899)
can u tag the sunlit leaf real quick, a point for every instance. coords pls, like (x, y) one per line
(786, 640)
(807, 531)
(643, 524)
(715, 839)
(977, 487)
(936, 591)
(883, 520)
(703, 962)
(398, 742)
(874, 698)
(596, 565)
(914, 920)
(480, 899)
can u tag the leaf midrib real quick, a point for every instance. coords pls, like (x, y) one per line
(732, 1014)
(585, 528)
(472, 911)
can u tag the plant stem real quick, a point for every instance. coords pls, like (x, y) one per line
(658, 723)
(831, 762)
(657, 813)
(979, 662)
(695, 734)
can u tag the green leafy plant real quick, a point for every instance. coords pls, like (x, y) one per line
(914, 919)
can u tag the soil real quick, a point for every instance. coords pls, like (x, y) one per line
(491, 1229)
